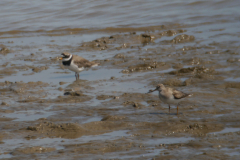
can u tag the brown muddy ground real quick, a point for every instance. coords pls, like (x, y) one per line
(46, 114)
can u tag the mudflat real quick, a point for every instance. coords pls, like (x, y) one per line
(106, 114)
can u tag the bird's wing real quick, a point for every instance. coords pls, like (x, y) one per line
(82, 62)
(179, 95)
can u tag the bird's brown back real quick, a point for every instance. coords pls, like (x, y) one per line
(82, 62)
(179, 94)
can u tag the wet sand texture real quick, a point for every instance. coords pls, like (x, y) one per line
(106, 114)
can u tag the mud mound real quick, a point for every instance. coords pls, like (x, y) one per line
(196, 129)
(105, 126)
(7, 72)
(70, 97)
(199, 72)
(4, 49)
(113, 118)
(104, 97)
(32, 150)
(142, 67)
(183, 38)
(201, 129)
(64, 130)
(232, 85)
(77, 93)
(173, 82)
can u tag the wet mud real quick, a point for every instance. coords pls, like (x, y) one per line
(106, 114)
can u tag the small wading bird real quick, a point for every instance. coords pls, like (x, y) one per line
(76, 63)
(169, 95)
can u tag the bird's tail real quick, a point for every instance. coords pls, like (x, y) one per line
(94, 64)
(189, 95)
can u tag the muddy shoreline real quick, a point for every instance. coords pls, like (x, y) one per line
(107, 114)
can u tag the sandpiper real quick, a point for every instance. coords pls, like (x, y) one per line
(76, 63)
(169, 95)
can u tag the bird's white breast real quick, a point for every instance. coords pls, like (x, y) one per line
(169, 100)
(74, 67)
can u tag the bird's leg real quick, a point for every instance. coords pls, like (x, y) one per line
(169, 108)
(78, 75)
(177, 109)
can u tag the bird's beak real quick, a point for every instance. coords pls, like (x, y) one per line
(60, 58)
(150, 91)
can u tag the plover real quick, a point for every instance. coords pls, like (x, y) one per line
(76, 63)
(169, 95)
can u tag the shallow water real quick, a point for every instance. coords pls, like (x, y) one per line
(227, 130)
(57, 143)
(50, 15)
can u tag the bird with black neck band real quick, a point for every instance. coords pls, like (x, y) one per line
(76, 63)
